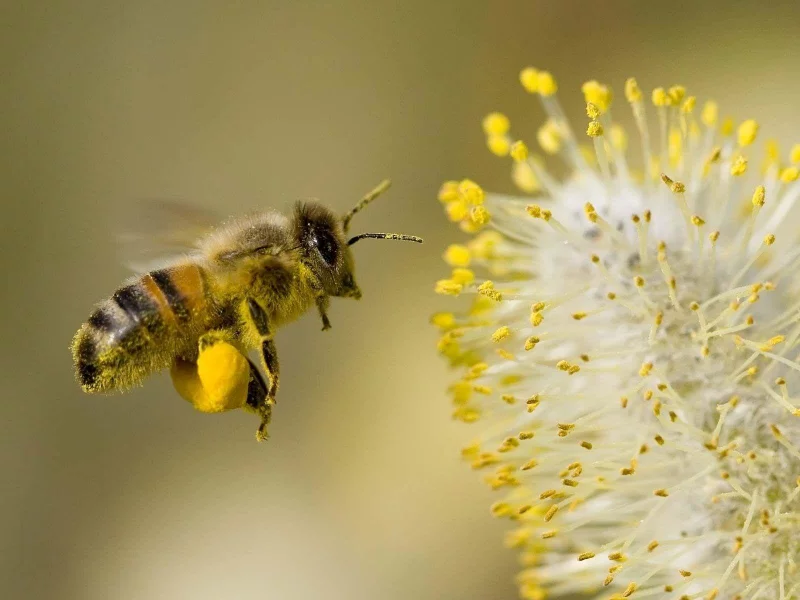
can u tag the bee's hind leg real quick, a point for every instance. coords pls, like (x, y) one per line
(257, 400)
(269, 357)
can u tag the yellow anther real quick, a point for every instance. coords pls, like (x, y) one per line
(525, 435)
(524, 178)
(586, 445)
(448, 192)
(551, 512)
(569, 482)
(759, 196)
(462, 276)
(443, 320)
(547, 84)
(747, 132)
(471, 192)
(632, 91)
(639, 281)
(457, 255)
(549, 534)
(501, 509)
(713, 236)
(549, 137)
(644, 371)
(586, 556)
(789, 174)
(536, 318)
(661, 492)
(652, 546)
(519, 151)
(726, 128)
(660, 97)
(688, 105)
(496, 123)
(618, 137)
(769, 239)
(487, 289)
(739, 166)
(594, 129)
(676, 94)
(501, 334)
(675, 186)
(710, 114)
(629, 590)
(482, 389)
(448, 287)
(457, 210)
(698, 221)
(529, 465)
(578, 316)
(531, 342)
(479, 215)
(794, 155)
(598, 94)
(592, 111)
(529, 78)
(617, 557)
(498, 145)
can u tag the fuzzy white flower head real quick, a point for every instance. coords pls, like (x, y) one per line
(632, 362)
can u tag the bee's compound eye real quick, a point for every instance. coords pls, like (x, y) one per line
(327, 247)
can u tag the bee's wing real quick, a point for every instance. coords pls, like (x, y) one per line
(154, 232)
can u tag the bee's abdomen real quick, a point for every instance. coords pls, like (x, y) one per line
(139, 329)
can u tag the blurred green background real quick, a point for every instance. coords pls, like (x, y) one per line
(237, 105)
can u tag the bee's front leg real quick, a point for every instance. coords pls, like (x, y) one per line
(269, 358)
(323, 300)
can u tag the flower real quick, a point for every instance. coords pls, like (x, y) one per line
(628, 348)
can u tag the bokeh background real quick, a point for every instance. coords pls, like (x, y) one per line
(360, 493)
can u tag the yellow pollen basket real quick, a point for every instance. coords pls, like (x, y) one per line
(217, 382)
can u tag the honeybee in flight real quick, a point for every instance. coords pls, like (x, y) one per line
(199, 315)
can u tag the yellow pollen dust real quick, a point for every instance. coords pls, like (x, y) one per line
(592, 111)
(675, 186)
(739, 166)
(501, 333)
(537, 212)
(759, 196)
(594, 129)
(479, 215)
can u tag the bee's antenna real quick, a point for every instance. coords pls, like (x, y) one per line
(385, 236)
(379, 189)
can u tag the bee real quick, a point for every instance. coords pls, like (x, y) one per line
(201, 314)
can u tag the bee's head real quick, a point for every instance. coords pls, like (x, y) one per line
(326, 250)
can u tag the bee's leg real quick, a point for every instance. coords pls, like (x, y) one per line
(257, 399)
(323, 300)
(269, 357)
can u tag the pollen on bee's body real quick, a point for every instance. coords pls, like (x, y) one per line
(624, 282)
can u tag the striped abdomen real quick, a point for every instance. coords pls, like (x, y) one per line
(141, 328)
